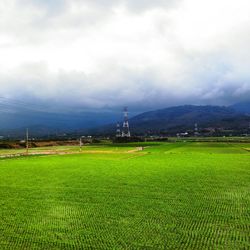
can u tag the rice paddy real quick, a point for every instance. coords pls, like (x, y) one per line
(192, 195)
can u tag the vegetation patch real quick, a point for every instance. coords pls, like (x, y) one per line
(168, 196)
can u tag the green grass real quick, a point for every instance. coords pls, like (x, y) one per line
(170, 196)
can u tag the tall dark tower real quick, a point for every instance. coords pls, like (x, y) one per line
(125, 127)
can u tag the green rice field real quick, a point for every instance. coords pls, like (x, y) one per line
(184, 195)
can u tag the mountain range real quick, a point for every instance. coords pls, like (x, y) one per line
(163, 121)
(183, 118)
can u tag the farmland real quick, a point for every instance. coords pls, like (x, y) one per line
(184, 195)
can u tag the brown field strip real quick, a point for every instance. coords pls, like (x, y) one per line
(53, 152)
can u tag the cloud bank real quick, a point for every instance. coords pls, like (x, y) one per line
(145, 54)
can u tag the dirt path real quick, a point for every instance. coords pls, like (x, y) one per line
(54, 152)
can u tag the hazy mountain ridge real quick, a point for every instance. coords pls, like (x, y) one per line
(243, 107)
(181, 118)
(169, 120)
(14, 124)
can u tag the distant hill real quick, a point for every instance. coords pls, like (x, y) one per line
(242, 107)
(13, 124)
(182, 118)
(168, 121)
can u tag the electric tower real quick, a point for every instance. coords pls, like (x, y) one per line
(196, 129)
(118, 130)
(125, 129)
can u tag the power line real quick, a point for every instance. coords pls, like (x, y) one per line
(10, 105)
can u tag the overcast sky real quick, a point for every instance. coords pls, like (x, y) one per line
(108, 53)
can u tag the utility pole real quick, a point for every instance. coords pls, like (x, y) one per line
(80, 141)
(27, 141)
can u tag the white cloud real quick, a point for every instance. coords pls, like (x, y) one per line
(140, 53)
